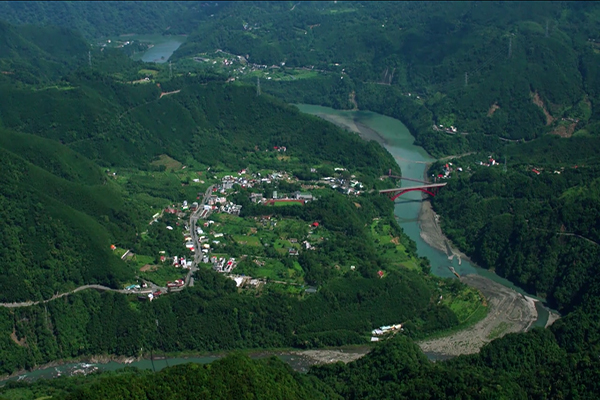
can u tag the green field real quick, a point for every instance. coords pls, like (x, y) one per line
(390, 248)
(163, 274)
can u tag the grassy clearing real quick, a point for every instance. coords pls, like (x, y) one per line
(151, 72)
(286, 204)
(168, 162)
(161, 274)
(390, 248)
(467, 304)
(247, 240)
(56, 87)
(479, 314)
(119, 252)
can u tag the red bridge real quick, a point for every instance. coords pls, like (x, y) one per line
(431, 189)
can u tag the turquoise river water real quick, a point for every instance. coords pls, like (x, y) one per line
(413, 161)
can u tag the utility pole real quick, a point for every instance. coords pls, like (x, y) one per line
(258, 86)
(170, 70)
(504, 169)
(466, 79)
(90, 58)
(509, 47)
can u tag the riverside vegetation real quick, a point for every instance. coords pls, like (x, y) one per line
(62, 211)
(513, 219)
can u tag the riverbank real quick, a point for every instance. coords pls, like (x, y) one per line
(363, 131)
(432, 234)
(299, 360)
(508, 312)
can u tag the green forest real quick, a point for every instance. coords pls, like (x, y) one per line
(80, 174)
(518, 366)
(91, 150)
(539, 229)
(492, 69)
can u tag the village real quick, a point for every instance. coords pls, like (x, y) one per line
(252, 251)
(448, 168)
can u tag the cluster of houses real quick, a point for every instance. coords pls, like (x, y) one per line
(181, 262)
(346, 186)
(491, 161)
(448, 168)
(223, 265)
(176, 284)
(220, 204)
(242, 280)
(385, 330)
(246, 182)
(452, 129)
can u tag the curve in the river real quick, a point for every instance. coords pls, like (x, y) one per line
(413, 161)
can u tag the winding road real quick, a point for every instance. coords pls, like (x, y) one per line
(152, 287)
(58, 296)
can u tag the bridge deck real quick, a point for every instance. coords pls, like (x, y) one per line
(401, 189)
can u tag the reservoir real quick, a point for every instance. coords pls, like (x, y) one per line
(161, 51)
(162, 47)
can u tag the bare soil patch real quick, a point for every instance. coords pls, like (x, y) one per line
(493, 109)
(565, 131)
(333, 356)
(148, 267)
(538, 102)
(22, 342)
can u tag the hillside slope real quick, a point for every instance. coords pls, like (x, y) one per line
(94, 20)
(35, 55)
(507, 70)
(53, 240)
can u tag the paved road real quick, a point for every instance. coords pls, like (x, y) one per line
(194, 217)
(58, 296)
(151, 286)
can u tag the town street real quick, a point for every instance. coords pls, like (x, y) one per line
(194, 233)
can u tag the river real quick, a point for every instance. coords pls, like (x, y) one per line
(298, 362)
(413, 162)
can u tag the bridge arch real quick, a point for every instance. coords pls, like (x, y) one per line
(400, 193)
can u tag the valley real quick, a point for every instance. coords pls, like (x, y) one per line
(299, 200)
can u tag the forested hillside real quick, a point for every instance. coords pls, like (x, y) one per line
(80, 175)
(35, 55)
(94, 20)
(509, 70)
(536, 223)
(91, 153)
